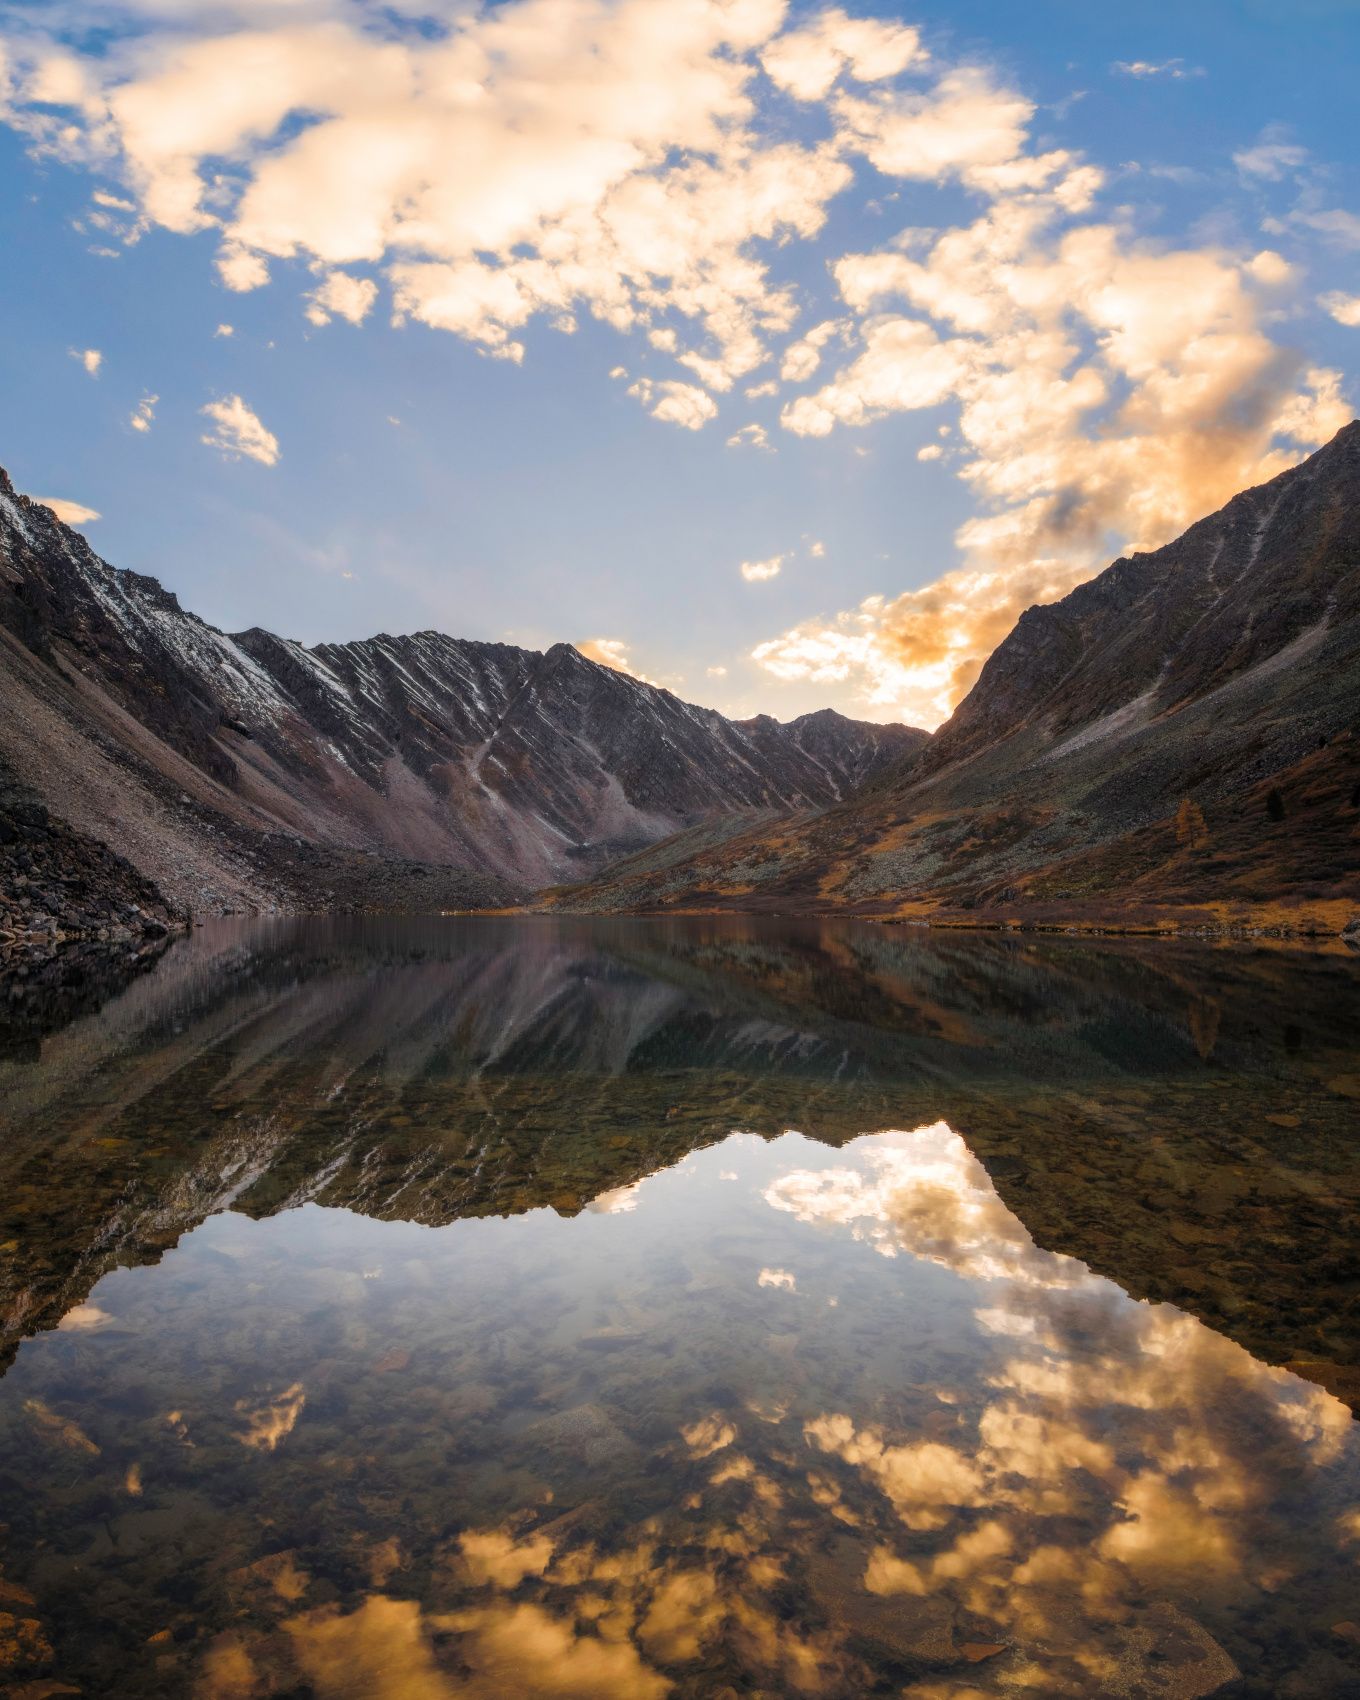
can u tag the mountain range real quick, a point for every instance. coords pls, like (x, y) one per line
(1179, 737)
(249, 770)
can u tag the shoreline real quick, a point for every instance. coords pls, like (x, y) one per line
(57, 956)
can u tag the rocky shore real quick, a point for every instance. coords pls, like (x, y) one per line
(65, 896)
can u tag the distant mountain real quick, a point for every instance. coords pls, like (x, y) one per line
(1181, 732)
(208, 759)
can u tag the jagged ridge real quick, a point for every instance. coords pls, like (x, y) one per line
(530, 766)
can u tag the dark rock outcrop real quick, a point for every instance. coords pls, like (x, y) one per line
(76, 920)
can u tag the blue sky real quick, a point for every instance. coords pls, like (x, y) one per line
(1134, 251)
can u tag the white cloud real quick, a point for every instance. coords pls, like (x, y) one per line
(1272, 156)
(342, 296)
(760, 572)
(716, 672)
(676, 403)
(1336, 224)
(932, 451)
(90, 358)
(1271, 269)
(1345, 309)
(817, 550)
(755, 391)
(240, 270)
(535, 159)
(965, 127)
(904, 365)
(806, 62)
(756, 436)
(1175, 70)
(237, 431)
(225, 330)
(144, 413)
(802, 358)
(69, 513)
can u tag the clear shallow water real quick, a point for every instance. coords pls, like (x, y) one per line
(409, 1312)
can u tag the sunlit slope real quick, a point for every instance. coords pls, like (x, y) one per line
(1181, 732)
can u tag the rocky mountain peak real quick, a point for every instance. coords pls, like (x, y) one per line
(1234, 590)
(535, 766)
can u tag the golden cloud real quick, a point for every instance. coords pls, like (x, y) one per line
(237, 430)
(1108, 392)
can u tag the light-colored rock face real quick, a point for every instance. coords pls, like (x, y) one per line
(538, 767)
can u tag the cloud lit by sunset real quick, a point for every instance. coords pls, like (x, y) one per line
(779, 227)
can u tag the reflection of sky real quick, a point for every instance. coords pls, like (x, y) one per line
(783, 1418)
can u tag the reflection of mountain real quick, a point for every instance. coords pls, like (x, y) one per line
(1172, 1117)
(786, 1421)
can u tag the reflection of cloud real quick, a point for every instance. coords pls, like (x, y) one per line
(618, 1201)
(685, 1611)
(493, 1555)
(925, 1482)
(926, 1194)
(1166, 1533)
(58, 1430)
(1207, 1437)
(384, 1650)
(521, 1649)
(271, 1421)
(1084, 1462)
(784, 1278)
(711, 1434)
(83, 1319)
(888, 1574)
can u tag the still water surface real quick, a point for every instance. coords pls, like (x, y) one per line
(416, 1310)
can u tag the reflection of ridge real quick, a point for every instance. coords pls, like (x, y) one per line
(426, 1072)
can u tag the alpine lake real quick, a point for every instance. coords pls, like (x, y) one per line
(524, 1309)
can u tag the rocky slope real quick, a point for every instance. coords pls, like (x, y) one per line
(1181, 734)
(72, 915)
(198, 754)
